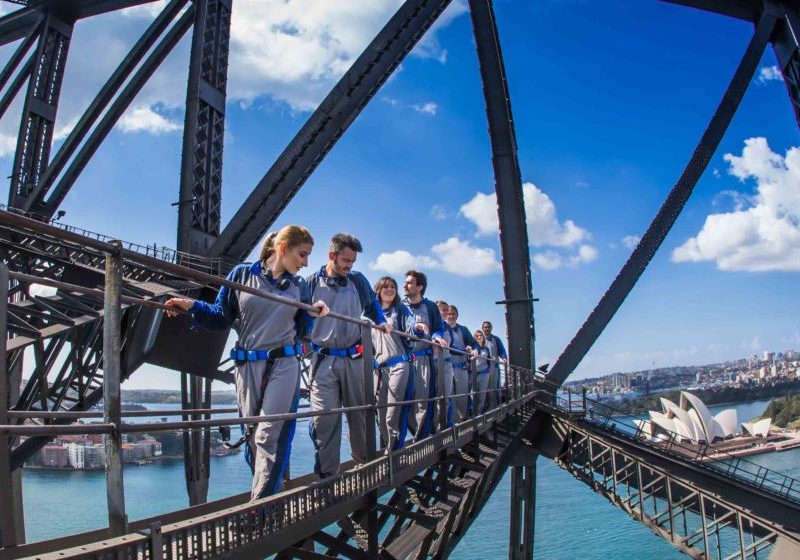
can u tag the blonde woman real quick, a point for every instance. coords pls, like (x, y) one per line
(267, 354)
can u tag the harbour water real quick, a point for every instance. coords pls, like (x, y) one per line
(571, 520)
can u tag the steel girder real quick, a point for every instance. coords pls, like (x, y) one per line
(39, 112)
(64, 331)
(641, 256)
(508, 186)
(17, 24)
(325, 126)
(200, 197)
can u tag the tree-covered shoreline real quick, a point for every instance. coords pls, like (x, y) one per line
(712, 397)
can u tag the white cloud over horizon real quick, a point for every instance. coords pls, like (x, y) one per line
(544, 228)
(631, 241)
(763, 232)
(453, 255)
(142, 118)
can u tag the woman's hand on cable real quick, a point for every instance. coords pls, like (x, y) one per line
(386, 328)
(441, 342)
(184, 304)
(422, 327)
(321, 309)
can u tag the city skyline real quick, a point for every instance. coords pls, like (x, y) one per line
(608, 104)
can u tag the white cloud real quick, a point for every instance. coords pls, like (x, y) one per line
(631, 241)
(551, 260)
(428, 108)
(439, 212)
(454, 256)
(543, 225)
(295, 50)
(145, 119)
(544, 228)
(769, 74)
(763, 232)
(290, 51)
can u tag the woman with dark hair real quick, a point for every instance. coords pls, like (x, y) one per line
(393, 382)
(267, 349)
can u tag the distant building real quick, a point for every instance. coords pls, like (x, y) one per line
(54, 455)
(769, 356)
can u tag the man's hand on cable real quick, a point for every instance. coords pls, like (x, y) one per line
(440, 341)
(322, 309)
(386, 328)
(422, 327)
(184, 304)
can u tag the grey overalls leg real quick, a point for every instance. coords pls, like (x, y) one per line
(461, 387)
(422, 419)
(337, 382)
(481, 384)
(390, 384)
(273, 439)
(444, 388)
(491, 398)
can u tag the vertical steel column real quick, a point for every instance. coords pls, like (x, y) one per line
(367, 357)
(517, 282)
(508, 185)
(200, 195)
(8, 533)
(787, 49)
(523, 505)
(39, 112)
(115, 490)
(196, 441)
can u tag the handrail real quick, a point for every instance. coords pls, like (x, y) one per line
(212, 265)
(757, 475)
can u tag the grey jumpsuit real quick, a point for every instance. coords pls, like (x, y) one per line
(425, 383)
(392, 381)
(482, 369)
(338, 380)
(497, 350)
(461, 373)
(263, 325)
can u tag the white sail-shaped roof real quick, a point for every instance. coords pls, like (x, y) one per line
(706, 419)
(697, 426)
(660, 420)
(758, 429)
(726, 422)
(677, 413)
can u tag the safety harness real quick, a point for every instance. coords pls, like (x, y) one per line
(354, 352)
(269, 356)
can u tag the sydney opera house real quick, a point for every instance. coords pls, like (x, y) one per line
(691, 422)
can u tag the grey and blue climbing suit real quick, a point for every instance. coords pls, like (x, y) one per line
(392, 380)
(482, 369)
(497, 350)
(461, 338)
(425, 383)
(444, 378)
(337, 371)
(267, 357)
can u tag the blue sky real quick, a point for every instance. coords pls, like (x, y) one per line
(609, 101)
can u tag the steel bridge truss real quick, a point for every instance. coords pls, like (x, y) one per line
(698, 523)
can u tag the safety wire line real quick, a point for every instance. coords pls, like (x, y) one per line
(50, 429)
(27, 278)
